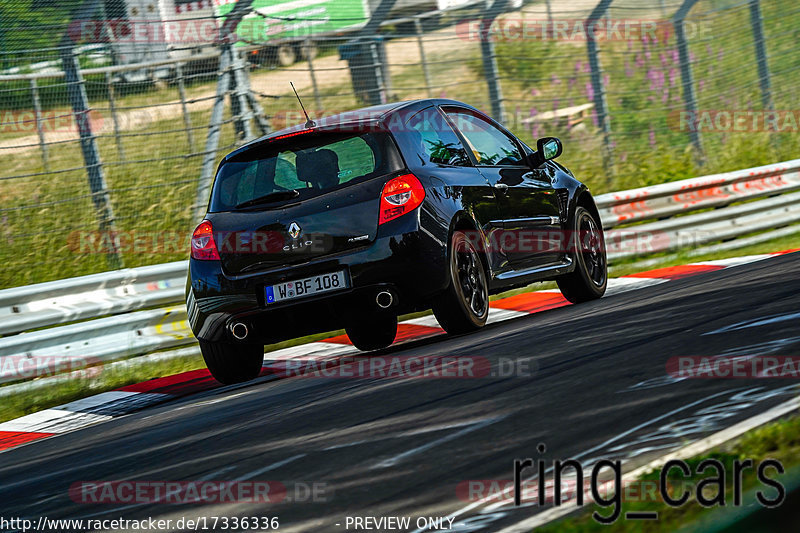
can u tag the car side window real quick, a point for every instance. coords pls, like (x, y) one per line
(434, 140)
(491, 146)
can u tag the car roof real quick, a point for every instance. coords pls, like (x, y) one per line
(367, 117)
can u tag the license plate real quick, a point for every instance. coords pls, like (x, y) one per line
(301, 288)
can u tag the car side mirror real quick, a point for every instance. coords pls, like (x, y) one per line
(547, 148)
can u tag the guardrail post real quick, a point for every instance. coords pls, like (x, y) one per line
(687, 78)
(112, 105)
(757, 23)
(37, 109)
(187, 120)
(214, 130)
(425, 72)
(76, 90)
(599, 89)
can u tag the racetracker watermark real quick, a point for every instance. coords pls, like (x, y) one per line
(198, 492)
(199, 29)
(574, 30)
(734, 121)
(403, 367)
(193, 31)
(24, 367)
(626, 241)
(718, 367)
(28, 121)
(499, 490)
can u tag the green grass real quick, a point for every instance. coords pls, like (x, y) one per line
(93, 380)
(43, 215)
(777, 440)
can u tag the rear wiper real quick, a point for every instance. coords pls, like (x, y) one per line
(272, 197)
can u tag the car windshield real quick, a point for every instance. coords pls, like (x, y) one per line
(301, 167)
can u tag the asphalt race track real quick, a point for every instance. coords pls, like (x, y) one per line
(597, 388)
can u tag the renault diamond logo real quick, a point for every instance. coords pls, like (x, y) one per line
(294, 230)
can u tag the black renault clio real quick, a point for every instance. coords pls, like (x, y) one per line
(348, 223)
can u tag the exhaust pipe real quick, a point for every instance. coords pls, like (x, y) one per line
(239, 331)
(384, 299)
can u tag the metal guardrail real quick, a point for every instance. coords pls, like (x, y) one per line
(678, 197)
(639, 221)
(108, 293)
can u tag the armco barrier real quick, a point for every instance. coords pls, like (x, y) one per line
(94, 341)
(668, 199)
(107, 293)
(639, 221)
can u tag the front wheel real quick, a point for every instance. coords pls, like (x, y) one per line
(232, 363)
(464, 306)
(589, 279)
(373, 332)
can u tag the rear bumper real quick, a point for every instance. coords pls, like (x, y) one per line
(403, 259)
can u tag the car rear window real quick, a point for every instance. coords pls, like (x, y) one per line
(310, 164)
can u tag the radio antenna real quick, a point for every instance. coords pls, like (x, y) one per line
(309, 123)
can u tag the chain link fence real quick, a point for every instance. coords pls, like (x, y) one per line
(114, 113)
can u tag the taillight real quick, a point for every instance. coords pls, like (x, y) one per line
(400, 195)
(203, 245)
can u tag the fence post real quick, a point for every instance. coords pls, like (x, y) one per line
(241, 107)
(317, 100)
(757, 23)
(380, 91)
(37, 109)
(549, 29)
(489, 59)
(214, 130)
(187, 120)
(112, 104)
(425, 72)
(76, 90)
(599, 88)
(687, 78)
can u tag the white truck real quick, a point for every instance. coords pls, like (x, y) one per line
(141, 31)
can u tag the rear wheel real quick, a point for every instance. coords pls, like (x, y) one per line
(307, 51)
(589, 279)
(373, 332)
(464, 306)
(232, 363)
(285, 55)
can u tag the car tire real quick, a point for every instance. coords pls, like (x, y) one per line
(373, 332)
(232, 363)
(590, 278)
(285, 55)
(464, 306)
